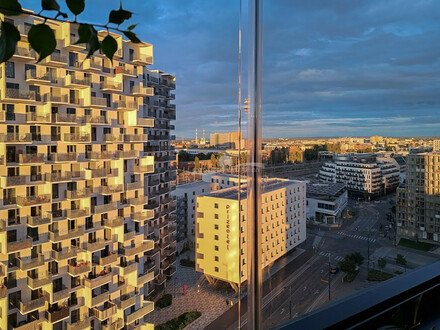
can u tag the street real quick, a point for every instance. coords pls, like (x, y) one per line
(302, 285)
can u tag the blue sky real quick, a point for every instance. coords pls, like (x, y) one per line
(331, 68)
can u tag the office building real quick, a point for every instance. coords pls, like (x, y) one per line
(76, 170)
(326, 202)
(221, 237)
(418, 202)
(227, 140)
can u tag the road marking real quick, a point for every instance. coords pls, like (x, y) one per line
(325, 281)
(343, 233)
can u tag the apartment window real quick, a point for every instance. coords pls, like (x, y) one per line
(215, 205)
(216, 227)
(216, 269)
(216, 216)
(10, 69)
(215, 247)
(216, 237)
(216, 258)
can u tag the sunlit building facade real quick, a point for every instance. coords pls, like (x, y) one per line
(86, 238)
(221, 238)
(418, 202)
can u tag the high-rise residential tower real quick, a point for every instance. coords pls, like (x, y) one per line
(418, 202)
(85, 235)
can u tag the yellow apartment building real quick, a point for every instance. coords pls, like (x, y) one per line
(85, 224)
(219, 230)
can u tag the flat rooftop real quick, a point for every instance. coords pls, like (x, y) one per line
(324, 189)
(268, 185)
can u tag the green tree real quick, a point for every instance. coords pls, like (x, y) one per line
(401, 260)
(41, 36)
(213, 161)
(197, 163)
(357, 258)
(243, 158)
(347, 265)
(382, 262)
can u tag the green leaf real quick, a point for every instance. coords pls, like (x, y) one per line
(132, 36)
(84, 32)
(10, 7)
(109, 46)
(8, 41)
(131, 27)
(50, 5)
(42, 39)
(119, 16)
(76, 6)
(93, 44)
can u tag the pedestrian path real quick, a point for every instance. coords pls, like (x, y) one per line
(326, 254)
(362, 237)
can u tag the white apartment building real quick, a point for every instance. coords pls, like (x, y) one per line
(186, 195)
(86, 234)
(362, 174)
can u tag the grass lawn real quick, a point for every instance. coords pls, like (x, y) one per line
(377, 275)
(414, 245)
(179, 322)
(351, 276)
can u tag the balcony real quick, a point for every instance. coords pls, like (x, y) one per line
(111, 86)
(92, 65)
(170, 271)
(98, 119)
(73, 82)
(124, 105)
(141, 248)
(38, 282)
(118, 324)
(147, 307)
(24, 325)
(135, 138)
(61, 158)
(97, 155)
(113, 138)
(78, 194)
(126, 301)
(31, 263)
(56, 60)
(134, 185)
(57, 236)
(66, 253)
(30, 158)
(77, 137)
(24, 54)
(67, 118)
(110, 259)
(127, 269)
(141, 58)
(10, 181)
(142, 91)
(128, 154)
(31, 305)
(99, 102)
(146, 122)
(159, 280)
(138, 200)
(100, 298)
(57, 315)
(143, 215)
(141, 279)
(62, 293)
(25, 243)
(80, 268)
(104, 172)
(16, 138)
(114, 222)
(78, 213)
(111, 189)
(58, 177)
(58, 98)
(82, 324)
(35, 117)
(104, 208)
(38, 76)
(143, 169)
(129, 235)
(104, 312)
(97, 245)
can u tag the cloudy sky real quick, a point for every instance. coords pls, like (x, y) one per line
(331, 68)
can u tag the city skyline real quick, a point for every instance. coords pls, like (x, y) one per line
(373, 71)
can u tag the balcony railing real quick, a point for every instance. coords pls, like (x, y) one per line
(126, 301)
(61, 235)
(134, 185)
(104, 261)
(100, 298)
(78, 194)
(103, 155)
(31, 263)
(127, 269)
(58, 176)
(103, 208)
(39, 220)
(31, 158)
(76, 137)
(57, 315)
(80, 268)
(111, 86)
(40, 281)
(78, 213)
(113, 222)
(128, 105)
(33, 200)
(147, 122)
(66, 253)
(31, 305)
(142, 91)
(113, 138)
(145, 246)
(147, 307)
(143, 168)
(128, 154)
(38, 76)
(104, 172)
(103, 313)
(97, 245)
(81, 324)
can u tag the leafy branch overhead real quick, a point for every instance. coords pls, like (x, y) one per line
(41, 36)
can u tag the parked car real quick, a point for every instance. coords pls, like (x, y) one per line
(334, 269)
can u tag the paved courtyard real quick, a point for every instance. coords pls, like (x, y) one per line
(209, 301)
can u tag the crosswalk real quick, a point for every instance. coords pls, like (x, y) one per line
(365, 238)
(326, 254)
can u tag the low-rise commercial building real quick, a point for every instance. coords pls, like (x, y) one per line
(326, 203)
